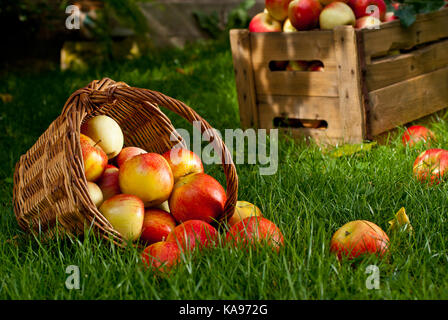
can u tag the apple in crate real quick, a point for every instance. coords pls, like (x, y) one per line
(253, 231)
(108, 182)
(161, 256)
(147, 176)
(431, 165)
(197, 196)
(367, 22)
(304, 14)
(128, 153)
(106, 132)
(361, 8)
(288, 27)
(183, 162)
(316, 66)
(126, 213)
(243, 210)
(95, 159)
(416, 134)
(336, 14)
(278, 9)
(358, 238)
(95, 193)
(264, 22)
(157, 224)
(194, 233)
(297, 65)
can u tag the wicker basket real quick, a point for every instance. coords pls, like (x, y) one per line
(50, 188)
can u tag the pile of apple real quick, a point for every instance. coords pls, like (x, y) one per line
(300, 15)
(166, 201)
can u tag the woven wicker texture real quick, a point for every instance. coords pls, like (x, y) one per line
(50, 187)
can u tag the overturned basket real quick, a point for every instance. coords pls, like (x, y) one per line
(50, 188)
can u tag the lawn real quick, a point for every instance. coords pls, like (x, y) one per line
(309, 198)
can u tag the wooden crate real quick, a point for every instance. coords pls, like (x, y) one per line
(362, 92)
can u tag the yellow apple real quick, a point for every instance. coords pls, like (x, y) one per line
(106, 132)
(183, 162)
(95, 193)
(147, 176)
(126, 213)
(243, 210)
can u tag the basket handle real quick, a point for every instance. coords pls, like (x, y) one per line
(106, 91)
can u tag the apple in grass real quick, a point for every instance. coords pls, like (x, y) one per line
(361, 8)
(264, 22)
(197, 196)
(147, 176)
(416, 134)
(108, 182)
(157, 225)
(278, 9)
(106, 132)
(336, 14)
(358, 238)
(304, 14)
(431, 166)
(243, 210)
(183, 162)
(161, 256)
(94, 158)
(126, 213)
(367, 22)
(128, 153)
(95, 193)
(193, 233)
(254, 231)
(390, 16)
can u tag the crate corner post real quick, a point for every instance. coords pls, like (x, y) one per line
(244, 77)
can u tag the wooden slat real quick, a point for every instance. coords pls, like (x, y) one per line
(244, 78)
(387, 71)
(306, 45)
(408, 100)
(300, 107)
(296, 83)
(351, 104)
(320, 136)
(428, 27)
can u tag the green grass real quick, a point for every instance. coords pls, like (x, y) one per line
(310, 196)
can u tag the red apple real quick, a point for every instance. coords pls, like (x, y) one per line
(95, 159)
(357, 238)
(325, 2)
(336, 14)
(304, 14)
(157, 224)
(255, 230)
(127, 153)
(390, 16)
(416, 134)
(360, 8)
(161, 256)
(263, 22)
(108, 182)
(278, 9)
(194, 233)
(125, 212)
(316, 66)
(431, 165)
(197, 196)
(147, 176)
(183, 162)
(367, 22)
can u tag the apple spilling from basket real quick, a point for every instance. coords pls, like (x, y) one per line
(165, 201)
